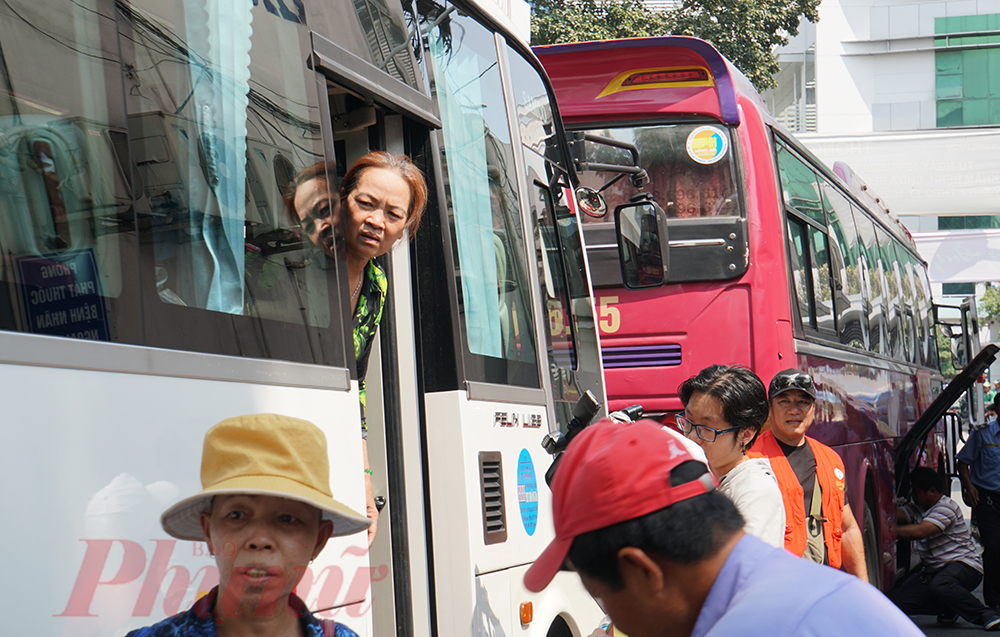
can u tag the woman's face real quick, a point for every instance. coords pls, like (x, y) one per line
(262, 545)
(377, 211)
(317, 212)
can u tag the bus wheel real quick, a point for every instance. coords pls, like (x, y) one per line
(872, 561)
(559, 628)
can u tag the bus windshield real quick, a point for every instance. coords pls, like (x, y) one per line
(691, 169)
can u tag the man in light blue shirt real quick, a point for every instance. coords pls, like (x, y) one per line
(666, 554)
(979, 470)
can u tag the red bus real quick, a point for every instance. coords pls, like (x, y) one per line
(773, 260)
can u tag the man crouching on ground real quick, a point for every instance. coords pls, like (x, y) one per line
(951, 566)
(666, 555)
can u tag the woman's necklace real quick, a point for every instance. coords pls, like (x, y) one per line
(358, 289)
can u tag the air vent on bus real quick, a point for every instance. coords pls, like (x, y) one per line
(665, 355)
(491, 484)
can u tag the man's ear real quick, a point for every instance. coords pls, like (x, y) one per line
(639, 569)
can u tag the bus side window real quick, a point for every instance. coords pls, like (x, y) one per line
(852, 319)
(801, 279)
(925, 314)
(822, 282)
(798, 184)
(891, 288)
(873, 280)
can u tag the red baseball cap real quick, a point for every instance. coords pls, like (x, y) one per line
(610, 473)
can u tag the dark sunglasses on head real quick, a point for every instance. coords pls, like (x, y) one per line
(793, 381)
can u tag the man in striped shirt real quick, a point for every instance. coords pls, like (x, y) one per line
(951, 566)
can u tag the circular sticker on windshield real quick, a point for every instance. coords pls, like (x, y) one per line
(707, 144)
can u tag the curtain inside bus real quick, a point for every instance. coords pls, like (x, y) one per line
(485, 214)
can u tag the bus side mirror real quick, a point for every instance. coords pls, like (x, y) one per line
(641, 228)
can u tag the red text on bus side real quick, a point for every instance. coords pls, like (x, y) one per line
(155, 574)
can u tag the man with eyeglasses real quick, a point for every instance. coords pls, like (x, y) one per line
(819, 524)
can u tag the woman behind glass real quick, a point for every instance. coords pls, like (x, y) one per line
(381, 197)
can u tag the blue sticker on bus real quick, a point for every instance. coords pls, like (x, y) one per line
(527, 492)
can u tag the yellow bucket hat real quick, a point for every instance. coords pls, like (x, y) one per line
(263, 454)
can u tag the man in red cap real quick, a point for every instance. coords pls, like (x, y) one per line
(666, 555)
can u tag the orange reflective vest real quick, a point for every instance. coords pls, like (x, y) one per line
(830, 471)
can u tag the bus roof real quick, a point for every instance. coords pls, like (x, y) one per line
(593, 80)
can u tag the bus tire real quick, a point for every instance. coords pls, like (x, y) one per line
(870, 539)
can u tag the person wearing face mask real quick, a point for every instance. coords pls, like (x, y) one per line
(724, 410)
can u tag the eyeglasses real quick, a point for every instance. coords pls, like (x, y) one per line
(793, 381)
(322, 211)
(704, 432)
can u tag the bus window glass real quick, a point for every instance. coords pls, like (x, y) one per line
(685, 181)
(223, 119)
(373, 30)
(798, 185)
(925, 312)
(801, 276)
(557, 228)
(908, 307)
(851, 317)
(66, 197)
(486, 221)
(822, 282)
(873, 280)
(562, 352)
(891, 301)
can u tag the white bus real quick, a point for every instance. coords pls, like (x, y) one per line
(152, 285)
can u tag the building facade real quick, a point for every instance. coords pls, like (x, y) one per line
(908, 94)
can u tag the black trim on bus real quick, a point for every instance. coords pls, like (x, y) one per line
(434, 286)
(394, 456)
(821, 347)
(348, 69)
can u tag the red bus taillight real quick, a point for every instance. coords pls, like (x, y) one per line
(661, 77)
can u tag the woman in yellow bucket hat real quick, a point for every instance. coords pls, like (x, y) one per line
(266, 510)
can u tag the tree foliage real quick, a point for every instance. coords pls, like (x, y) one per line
(745, 31)
(561, 21)
(989, 304)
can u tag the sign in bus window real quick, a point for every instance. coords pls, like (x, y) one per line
(65, 195)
